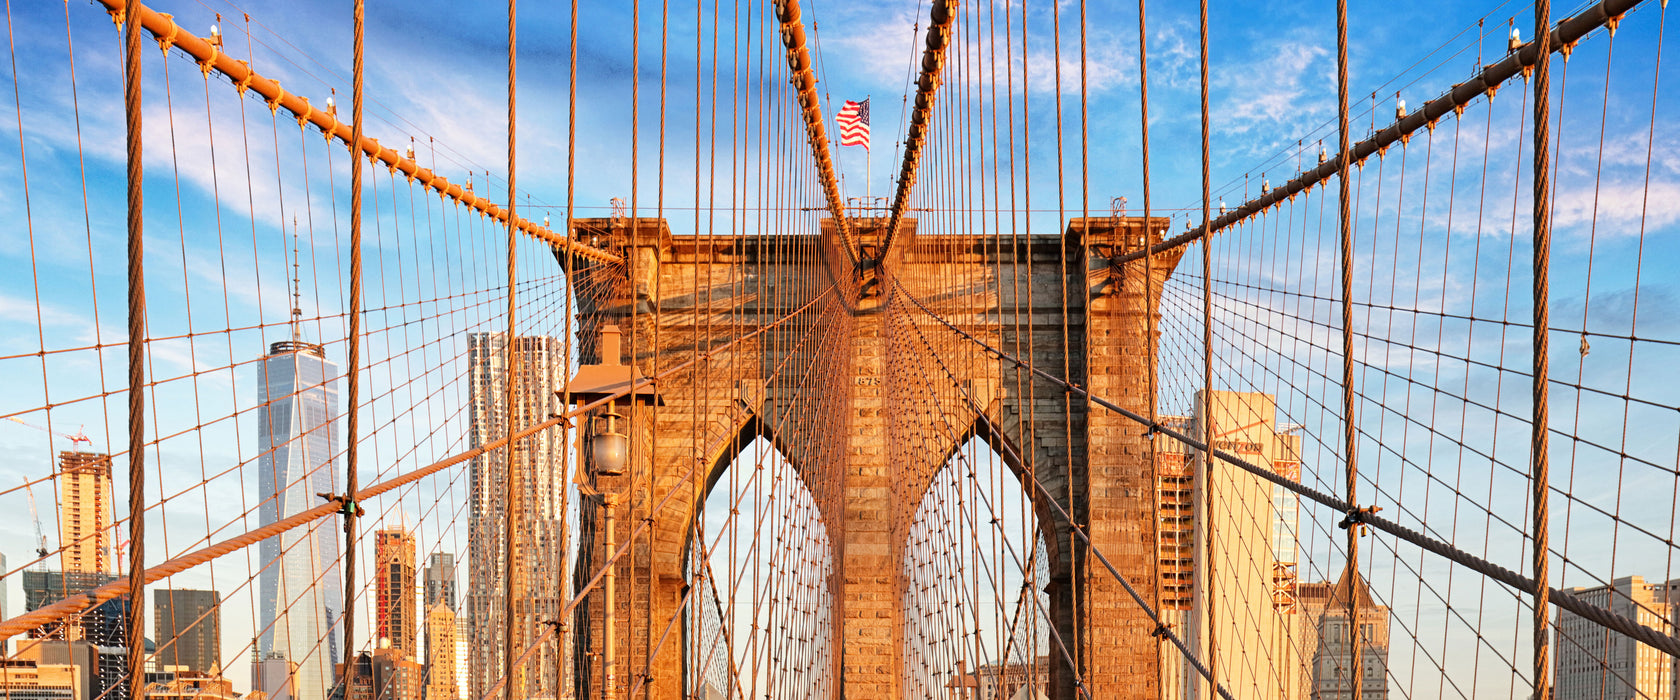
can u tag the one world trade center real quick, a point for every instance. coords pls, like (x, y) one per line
(300, 600)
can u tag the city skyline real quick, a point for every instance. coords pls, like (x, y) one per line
(1496, 271)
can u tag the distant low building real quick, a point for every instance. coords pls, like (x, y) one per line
(1007, 681)
(274, 676)
(24, 679)
(192, 687)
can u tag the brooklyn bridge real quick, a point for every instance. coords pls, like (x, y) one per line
(1336, 371)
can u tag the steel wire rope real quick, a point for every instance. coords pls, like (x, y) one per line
(1562, 599)
(1381, 492)
(1015, 557)
(1078, 532)
(1571, 30)
(137, 351)
(56, 611)
(1494, 409)
(582, 410)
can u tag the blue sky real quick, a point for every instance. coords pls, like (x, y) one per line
(435, 73)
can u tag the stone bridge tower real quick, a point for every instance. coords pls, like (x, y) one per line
(850, 393)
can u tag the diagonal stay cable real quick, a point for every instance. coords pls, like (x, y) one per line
(71, 605)
(1666, 643)
(734, 509)
(645, 522)
(1161, 628)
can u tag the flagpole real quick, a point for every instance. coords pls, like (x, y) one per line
(869, 168)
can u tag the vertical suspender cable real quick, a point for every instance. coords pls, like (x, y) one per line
(560, 623)
(1205, 626)
(1355, 674)
(510, 494)
(353, 348)
(136, 357)
(1542, 322)
(1149, 320)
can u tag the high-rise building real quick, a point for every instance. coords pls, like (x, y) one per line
(103, 629)
(1593, 662)
(84, 514)
(442, 683)
(1228, 544)
(440, 579)
(395, 610)
(299, 596)
(187, 628)
(1326, 645)
(537, 476)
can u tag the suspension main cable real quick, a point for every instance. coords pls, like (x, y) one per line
(211, 57)
(1486, 82)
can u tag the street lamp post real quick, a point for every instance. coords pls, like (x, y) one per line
(609, 456)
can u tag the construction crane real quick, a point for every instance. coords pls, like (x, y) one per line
(40, 536)
(76, 439)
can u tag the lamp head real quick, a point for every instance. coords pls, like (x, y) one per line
(609, 449)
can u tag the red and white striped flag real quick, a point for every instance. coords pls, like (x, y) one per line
(854, 123)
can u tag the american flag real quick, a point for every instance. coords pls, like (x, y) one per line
(854, 123)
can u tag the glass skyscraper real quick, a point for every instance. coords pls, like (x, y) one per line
(300, 593)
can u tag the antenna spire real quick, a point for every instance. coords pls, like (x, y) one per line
(297, 289)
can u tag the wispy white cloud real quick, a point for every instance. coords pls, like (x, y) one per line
(1621, 208)
(883, 50)
(1277, 95)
